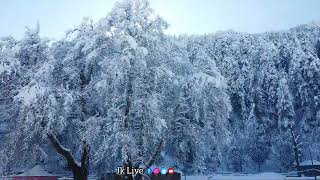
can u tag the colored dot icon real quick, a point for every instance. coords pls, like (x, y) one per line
(163, 171)
(170, 170)
(156, 171)
(149, 171)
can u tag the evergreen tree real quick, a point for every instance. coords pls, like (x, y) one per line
(282, 152)
(238, 152)
(260, 141)
(284, 104)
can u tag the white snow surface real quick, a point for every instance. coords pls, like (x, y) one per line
(261, 176)
(132, 42)
(29, 94)
(309, 162)
(4, 68)
(36, 171)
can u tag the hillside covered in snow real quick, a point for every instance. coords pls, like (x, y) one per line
(121, 86)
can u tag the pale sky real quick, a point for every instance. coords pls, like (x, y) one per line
(184, 16)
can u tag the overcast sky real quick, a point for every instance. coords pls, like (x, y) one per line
(184, 16)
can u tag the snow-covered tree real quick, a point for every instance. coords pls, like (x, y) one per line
(134, 125)
(285, 109)
(202, 110)
(25, 57)
(260, 142)
(238, 151)
(282, 152)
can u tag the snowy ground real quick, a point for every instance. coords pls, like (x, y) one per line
(262, 176)
(229, 177)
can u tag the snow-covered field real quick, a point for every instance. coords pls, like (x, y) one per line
(262, 176)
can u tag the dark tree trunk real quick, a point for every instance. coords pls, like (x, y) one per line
(296, 150)
(153, 159)
(80, 170)
(80, 174)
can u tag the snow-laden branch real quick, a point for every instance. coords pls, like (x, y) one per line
(80, 170)
(66, 153)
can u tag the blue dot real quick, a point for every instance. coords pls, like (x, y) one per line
(149, 171)
(163, 171)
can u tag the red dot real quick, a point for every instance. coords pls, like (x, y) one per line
(170, 170)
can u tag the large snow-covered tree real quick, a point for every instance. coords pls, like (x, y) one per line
(134, 121)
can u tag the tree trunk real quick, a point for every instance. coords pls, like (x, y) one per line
(80, 170)
(296, 150)
(80, 174)
(152, 160)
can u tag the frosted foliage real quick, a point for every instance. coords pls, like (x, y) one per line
(219, 102)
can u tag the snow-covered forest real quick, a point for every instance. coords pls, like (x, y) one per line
(121, 86)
